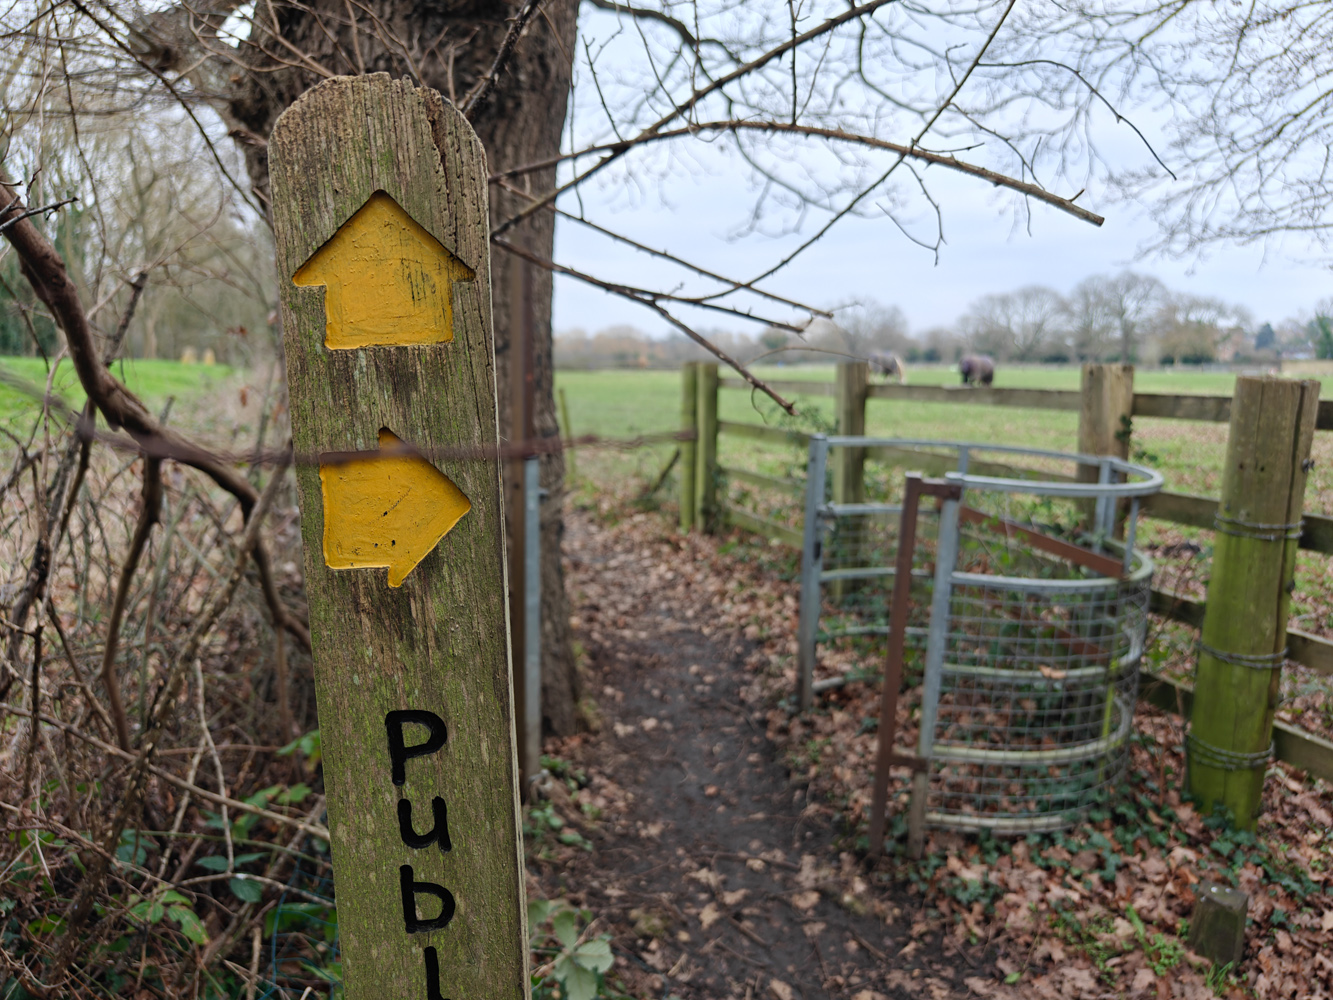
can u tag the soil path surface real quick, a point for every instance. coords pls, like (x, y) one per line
(714, 874)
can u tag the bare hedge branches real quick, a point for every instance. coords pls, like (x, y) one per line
(1250, 88)
(50, 280)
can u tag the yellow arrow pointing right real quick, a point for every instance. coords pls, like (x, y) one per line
(386, 508)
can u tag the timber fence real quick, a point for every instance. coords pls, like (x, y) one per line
(1106, 405)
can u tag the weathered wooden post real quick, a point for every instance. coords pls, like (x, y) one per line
(852, 381)
(705, 451)
(689, 426)
(1244, 632)
(379, 214)
(849, 404)
(571, 472)
(1104, 419)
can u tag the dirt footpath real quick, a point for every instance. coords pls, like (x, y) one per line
(714, 874)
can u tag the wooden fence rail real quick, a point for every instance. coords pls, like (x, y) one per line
(1168, 406)
(1176, 508)
(1292, 745)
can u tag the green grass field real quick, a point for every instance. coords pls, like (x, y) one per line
(625, 404)
(622, 404)
(152, 381)
(1190, 455)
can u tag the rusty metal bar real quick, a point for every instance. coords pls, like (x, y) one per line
(887, 756)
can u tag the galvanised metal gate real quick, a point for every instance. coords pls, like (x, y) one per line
(1024, 620)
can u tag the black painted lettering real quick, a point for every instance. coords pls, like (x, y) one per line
(433, 975)
(410, 889)
(399, 752)
(439, 832)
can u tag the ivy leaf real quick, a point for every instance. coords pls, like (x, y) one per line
(294, 795)
(261, 798)
(47, 925)
(190, 924)
(594, 955)
(246, 890)
(566, 927)
(579, 983)
(309, 745)
(538, 911)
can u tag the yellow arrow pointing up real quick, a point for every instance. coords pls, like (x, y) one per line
(387, 281)
(386, 508)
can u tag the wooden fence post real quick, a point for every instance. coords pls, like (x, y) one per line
(689, 424)
(1244, 633)
(705, 452)
(571, 472)
(1104, 418)
(849, 464)
(853, 380)
(382, 243)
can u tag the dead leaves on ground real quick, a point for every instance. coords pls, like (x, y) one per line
(1055, 925)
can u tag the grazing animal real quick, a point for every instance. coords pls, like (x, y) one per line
(977, 369)
(888, 365)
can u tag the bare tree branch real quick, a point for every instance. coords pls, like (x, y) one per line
(46, 272)
(649, 300)
(482, 88)
(851, 14)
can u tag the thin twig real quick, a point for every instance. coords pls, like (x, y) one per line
(50, 280)
(164, 706)
(217, 761)
(691, 102)
(483, 87)
(699, 339)
(148, 516)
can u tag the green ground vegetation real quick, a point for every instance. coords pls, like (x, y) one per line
(628, 403)
(153, 381)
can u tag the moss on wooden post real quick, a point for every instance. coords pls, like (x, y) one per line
(689, 426)
(705, 453)
(412, 671)
(1245, 625)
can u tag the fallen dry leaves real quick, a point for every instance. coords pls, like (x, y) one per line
(1098, 912)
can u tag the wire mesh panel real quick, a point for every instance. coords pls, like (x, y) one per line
(848, 576)
(1036, 688)
(1024, 627)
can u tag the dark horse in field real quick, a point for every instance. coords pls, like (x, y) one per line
(977, 369)
(887, 365)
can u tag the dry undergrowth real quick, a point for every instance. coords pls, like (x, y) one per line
(128, 874)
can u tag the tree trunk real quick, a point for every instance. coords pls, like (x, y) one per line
(520, 122)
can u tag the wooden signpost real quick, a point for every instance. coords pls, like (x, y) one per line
(380, 219)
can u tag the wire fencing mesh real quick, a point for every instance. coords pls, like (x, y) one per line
(1036, 686)
(1021, 684)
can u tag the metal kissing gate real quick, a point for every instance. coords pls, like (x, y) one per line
(1011, 601)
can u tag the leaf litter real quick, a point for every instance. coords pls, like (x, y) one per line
(760, 889)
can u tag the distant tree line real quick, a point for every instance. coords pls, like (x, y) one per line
(210, 284)
(1123, 317)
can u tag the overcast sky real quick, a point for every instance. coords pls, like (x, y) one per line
(697, 215)
(695, 205)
